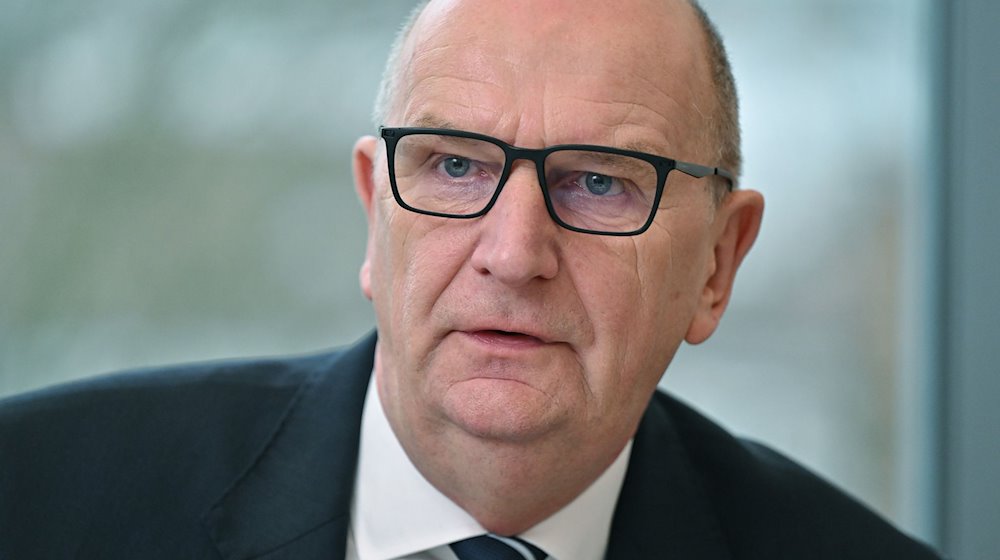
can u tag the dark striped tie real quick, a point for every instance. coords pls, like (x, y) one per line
(493, 547)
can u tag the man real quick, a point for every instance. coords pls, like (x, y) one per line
(550, 215)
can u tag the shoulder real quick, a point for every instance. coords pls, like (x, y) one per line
(772, 507)
(155, 401)
(142, 455)
(221, 405)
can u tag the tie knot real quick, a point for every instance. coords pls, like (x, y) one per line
(495, 547)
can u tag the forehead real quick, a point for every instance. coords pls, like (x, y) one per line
(583, 71)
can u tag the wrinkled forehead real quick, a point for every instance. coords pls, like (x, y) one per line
(644, 56)
(643, 30)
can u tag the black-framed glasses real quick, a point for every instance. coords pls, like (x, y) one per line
(589, 189)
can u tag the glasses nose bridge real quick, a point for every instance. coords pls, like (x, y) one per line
(534, 155)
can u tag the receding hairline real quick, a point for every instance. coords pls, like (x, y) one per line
(722, 126)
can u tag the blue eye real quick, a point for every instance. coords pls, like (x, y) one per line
(456, 166)
(598, 184)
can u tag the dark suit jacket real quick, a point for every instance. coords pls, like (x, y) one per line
(256, 459)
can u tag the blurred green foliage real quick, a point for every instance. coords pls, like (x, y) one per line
(176, 182)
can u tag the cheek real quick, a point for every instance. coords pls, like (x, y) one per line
(416, 259)
(641, 307)
(392, 272)
(672, 289)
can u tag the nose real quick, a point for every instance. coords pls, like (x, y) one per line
(518, 240)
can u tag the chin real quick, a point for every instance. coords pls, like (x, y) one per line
(500, 411)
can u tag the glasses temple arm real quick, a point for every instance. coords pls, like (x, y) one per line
(699, 171)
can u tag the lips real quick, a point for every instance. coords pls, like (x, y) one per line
(500, 333)
(501, 337)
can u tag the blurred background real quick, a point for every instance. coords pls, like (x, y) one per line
(175, 185)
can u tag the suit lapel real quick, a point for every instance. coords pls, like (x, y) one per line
(662, 511)
(294, 500)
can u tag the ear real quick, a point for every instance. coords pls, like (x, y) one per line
(364, 183)
(736, 224)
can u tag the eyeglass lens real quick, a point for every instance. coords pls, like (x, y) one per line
(589, 190)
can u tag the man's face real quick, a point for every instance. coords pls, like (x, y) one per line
(507, 328)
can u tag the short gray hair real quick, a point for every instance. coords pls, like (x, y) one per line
(388, 89)
(725, 119)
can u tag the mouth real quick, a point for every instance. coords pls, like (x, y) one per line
(499, 337)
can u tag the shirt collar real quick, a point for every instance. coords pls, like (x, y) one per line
(397, 512)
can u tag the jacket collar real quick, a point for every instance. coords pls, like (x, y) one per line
(663, 510)
(294, 500)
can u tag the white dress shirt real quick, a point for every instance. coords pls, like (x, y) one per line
(396, 514)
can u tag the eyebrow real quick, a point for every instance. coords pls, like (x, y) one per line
(645, 147)
(431, 121)
(612, 160)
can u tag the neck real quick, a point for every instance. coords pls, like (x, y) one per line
(509, 487)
